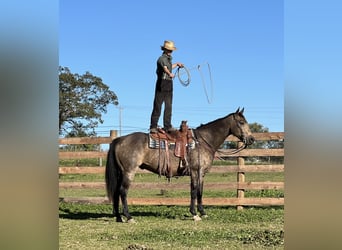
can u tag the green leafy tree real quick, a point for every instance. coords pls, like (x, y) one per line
(255, 128)
(82, 101)
(258, 128)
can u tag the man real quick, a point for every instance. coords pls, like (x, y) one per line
(164, 88)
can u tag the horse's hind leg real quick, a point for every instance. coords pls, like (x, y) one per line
(123, 193)
(116, 211)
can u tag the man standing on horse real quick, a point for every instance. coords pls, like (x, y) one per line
(164, 88)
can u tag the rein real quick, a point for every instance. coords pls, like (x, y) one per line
(208, 146)
(234, 151)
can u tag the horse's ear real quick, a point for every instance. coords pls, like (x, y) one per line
(243, 109)
(238, 110)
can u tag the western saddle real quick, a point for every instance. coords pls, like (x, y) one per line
(182, 138)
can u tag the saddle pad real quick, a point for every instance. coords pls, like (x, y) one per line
(161, 144)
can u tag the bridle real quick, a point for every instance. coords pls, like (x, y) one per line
(244, 140)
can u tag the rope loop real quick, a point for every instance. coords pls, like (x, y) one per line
(186, 82)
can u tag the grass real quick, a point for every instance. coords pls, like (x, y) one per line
(170, 227)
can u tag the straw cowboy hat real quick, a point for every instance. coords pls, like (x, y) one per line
(169, 45)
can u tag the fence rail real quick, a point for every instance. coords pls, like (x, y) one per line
(214, 169)
(240, 169)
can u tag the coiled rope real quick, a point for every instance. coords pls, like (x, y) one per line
(186, 82)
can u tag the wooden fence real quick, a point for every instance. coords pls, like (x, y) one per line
(240, 169)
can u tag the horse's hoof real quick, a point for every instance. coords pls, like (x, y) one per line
(132, 221)
(204, 216)
(197, 218)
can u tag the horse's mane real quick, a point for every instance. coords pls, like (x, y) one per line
(209, 124)
(212, 122)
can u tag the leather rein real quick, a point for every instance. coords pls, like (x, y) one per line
(208, 146)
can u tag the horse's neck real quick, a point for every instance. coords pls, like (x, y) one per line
(215, 132)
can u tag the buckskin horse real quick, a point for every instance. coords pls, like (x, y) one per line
(128, 153)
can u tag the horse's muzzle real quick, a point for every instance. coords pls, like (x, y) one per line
(248, 140)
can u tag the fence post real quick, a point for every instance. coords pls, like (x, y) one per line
(240, 179)
(113, 134)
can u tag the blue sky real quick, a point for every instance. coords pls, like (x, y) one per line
(119, 41)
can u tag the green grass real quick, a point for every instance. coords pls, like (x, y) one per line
(170, 227)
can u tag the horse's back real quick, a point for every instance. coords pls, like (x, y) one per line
(130, 149)
(136, 137)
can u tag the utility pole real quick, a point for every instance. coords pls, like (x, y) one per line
(120, 118)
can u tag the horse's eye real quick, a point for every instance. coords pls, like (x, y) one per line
(241, 122)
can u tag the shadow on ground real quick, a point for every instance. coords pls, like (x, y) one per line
(68, 214)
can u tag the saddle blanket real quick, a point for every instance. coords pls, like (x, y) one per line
(161, 144)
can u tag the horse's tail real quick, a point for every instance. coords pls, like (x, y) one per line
(112, 173)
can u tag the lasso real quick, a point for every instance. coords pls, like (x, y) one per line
(186, 82)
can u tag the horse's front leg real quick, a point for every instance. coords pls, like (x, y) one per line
(194, 194)
(199, 196)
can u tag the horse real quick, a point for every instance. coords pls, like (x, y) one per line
(128, 153)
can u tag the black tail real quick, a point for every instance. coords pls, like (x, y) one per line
(112, 173)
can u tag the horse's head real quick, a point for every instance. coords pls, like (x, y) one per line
(240, 128)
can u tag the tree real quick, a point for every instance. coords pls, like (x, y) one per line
(255, 128)
(82, 101)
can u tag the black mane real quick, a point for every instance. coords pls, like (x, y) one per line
(211, 123)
